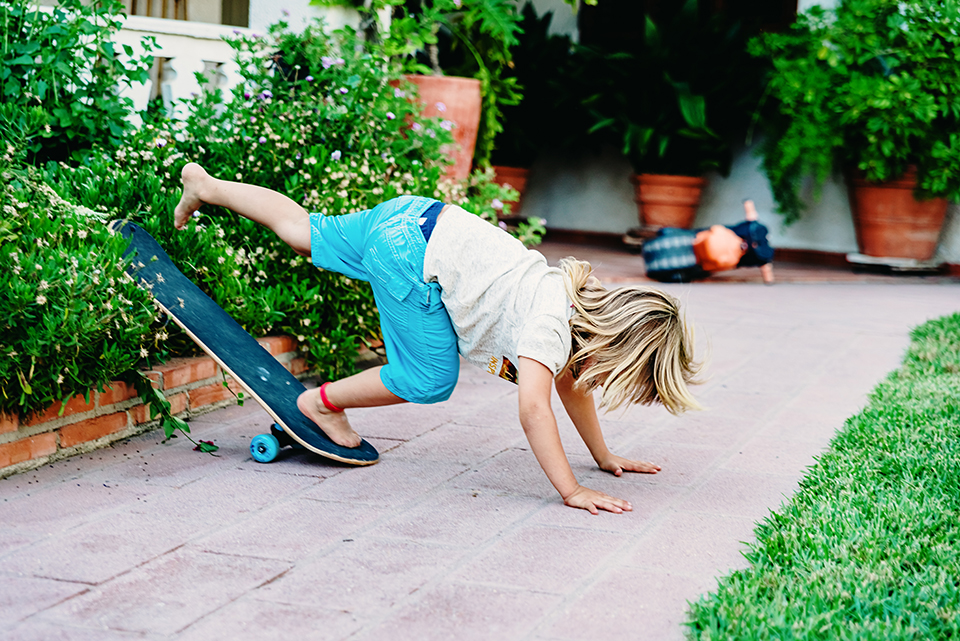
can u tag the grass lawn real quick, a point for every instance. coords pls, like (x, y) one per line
(869, 548)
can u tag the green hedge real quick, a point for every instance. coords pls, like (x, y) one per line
(70, 317)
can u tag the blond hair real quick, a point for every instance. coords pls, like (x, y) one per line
(631, 341)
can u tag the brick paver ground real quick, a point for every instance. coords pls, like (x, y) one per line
(457, 533)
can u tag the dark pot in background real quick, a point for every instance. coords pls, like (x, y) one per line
(516, 177)
(667, 201)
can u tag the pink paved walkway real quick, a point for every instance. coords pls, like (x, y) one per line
(456, 533)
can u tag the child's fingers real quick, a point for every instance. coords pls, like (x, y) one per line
(617, 465)
(594, 501)
(611, 504)
(642, 467)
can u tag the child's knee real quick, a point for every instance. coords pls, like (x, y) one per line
(432, 386)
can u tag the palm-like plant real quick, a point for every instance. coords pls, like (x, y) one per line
(677, 100)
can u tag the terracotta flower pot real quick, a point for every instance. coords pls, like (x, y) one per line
(667, 201)
(516, 177)
(457, 100)
(890, 222)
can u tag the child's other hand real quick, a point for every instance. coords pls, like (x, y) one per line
(594, 501)
(617, 465)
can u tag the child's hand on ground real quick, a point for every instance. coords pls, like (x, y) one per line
(617, 465)
(594, 501)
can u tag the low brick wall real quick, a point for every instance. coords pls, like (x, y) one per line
(192, 386)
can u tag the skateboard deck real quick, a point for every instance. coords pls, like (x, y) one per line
(236, 351)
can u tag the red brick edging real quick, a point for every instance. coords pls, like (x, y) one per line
(191, 385)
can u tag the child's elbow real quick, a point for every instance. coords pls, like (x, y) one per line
(534, 414)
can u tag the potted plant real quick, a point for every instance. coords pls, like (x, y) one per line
(674, 104)
(868, 91)
(464, 39)
(455, 52)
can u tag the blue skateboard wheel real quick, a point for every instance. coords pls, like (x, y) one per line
(264, 448)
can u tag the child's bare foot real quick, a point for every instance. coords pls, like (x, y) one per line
(193, 177)
(334, 424)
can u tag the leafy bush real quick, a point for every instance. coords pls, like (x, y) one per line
(63, 62)
(70, 317)
(869, 548)
(869, 86)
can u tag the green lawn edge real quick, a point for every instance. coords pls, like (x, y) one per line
(869, 546)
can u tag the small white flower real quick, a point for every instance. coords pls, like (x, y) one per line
(41, 300)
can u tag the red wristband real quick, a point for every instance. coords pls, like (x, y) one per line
(326, 402)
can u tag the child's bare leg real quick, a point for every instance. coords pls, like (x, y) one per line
(285, 217)
(360, 390)
(766, 271)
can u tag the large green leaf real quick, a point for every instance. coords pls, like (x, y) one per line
(499, 19)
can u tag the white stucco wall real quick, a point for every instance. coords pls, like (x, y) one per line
(297, 13)
(564, 19)
(205, 11)
(589, 192)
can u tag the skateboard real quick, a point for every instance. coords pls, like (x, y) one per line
(236, 351)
